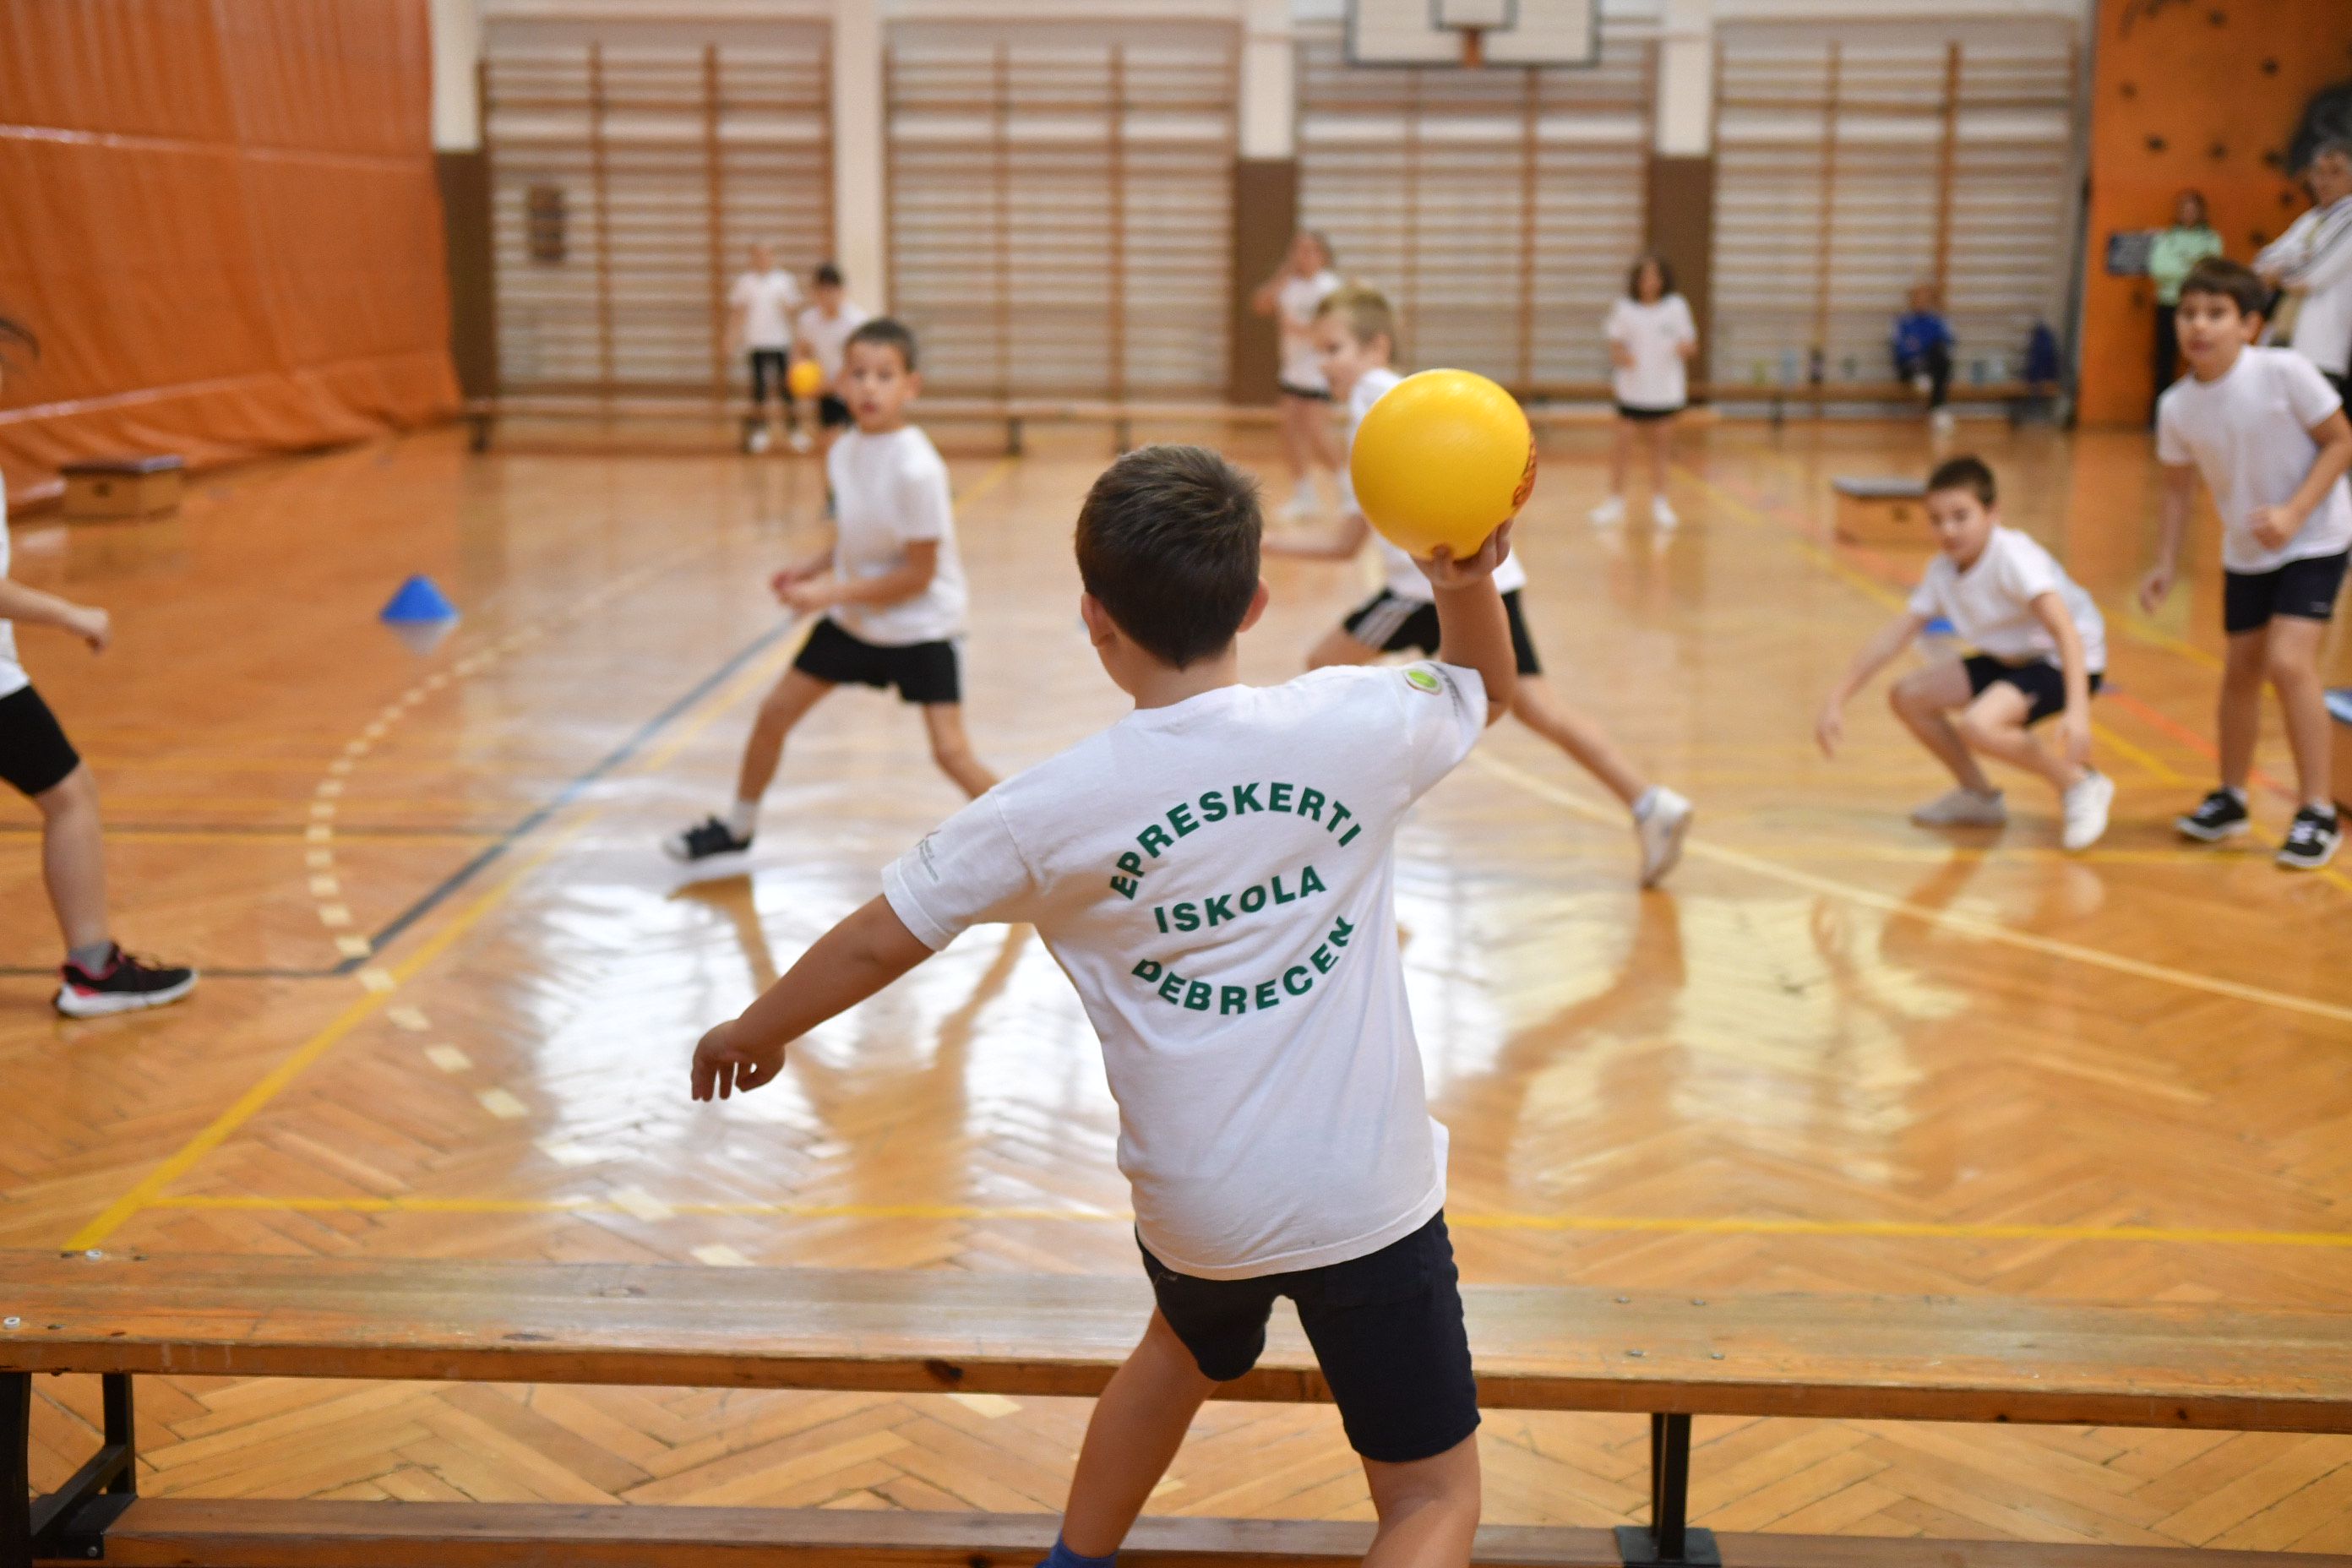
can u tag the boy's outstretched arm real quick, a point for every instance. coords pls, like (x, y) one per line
(1473, 633)
(903, 581)
(845, 965)
(2172, 527)
(1872, 657)
(34, 608)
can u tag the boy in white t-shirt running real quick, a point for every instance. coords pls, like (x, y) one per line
(1355, 333)
(2269, 434)
(822, 334)
(890, 590)
(1291, 297)
(1216, 873)
(39, 762)
(1651, 338)
(761, 308)
(2041, 650)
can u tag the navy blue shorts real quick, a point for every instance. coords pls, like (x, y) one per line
(2043, 682)
(2306, 589)
(34, 756)
(1393, 623)
(922, 671)
(1386, 1330)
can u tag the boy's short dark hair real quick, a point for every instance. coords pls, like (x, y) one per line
(1968, 473)
(1168, 543)
(828, 275)
(1366, 310)
(885, 333)
(1666, 276)
(2231, 280)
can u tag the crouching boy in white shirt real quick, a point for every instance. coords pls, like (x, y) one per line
(2042, 650)
(1214, 872)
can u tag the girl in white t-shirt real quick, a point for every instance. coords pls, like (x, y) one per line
(1292, 296)
(1651, 338)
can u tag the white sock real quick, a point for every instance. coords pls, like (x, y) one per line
(743, 818)
(1645, 804)
(2237, 795)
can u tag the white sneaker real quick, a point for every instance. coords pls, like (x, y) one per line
(757, 441)
(1661, 834)
(801, 442)
(1941, 422)
(1962, 808)
(1663, 515)
(1609, 513)
(2084, 807)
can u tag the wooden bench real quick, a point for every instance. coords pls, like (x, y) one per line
(1672, 1356)
(1883, 509)
(2017, 395)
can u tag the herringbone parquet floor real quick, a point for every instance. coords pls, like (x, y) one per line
(451, 986)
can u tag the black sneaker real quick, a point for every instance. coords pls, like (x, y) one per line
(122, 984)
(2311, 839)
(708, 837)
(2218, 816)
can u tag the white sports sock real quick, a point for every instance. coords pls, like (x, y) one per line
(2237, 795)
(743, 818)
(1645, 804)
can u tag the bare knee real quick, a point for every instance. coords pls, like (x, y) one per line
(70, 796)
(2286, 668)
(1908, 698)
(1442, 1491)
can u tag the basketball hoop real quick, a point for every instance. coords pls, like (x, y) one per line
(1473, 32)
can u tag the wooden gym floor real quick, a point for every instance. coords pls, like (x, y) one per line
(452, 983)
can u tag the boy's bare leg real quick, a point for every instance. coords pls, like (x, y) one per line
(2294, 667)
(1994, 725)
(1661, 451)
(1924, 700)
(1620, 455)
(1322, 440)
(73, 858)
(2242, 668)
(1428, 1508)
(1339, 647)
(1579, 736)
(786, 704)
(1297, 438)
(952, 750)
(1138, 1422)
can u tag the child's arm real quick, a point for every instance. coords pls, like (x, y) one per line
(848, 964)
(1884, 645)
(2274, 525)
(806, 570)
(1267, 298)
(1340, 544)
(903, 581)
(2179, 488)
(1473, 633)
(34, 608)
(2075, 723)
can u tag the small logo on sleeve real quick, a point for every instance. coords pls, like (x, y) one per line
(1424, 681)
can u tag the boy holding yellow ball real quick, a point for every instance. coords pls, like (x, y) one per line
(1355, 333)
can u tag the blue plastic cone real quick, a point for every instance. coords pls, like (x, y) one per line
(419, 601)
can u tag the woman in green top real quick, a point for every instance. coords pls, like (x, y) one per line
(2170, 255)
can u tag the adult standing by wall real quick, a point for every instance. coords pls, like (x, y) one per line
(2313, 262)
(1291, 297)
(2190, 240)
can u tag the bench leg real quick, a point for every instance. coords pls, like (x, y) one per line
(479, 437)
(1012, 437)
(1669, 1541)
(72, 1520)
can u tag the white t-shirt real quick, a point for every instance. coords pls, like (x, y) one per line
(1657, 377)
(2249, 433)
(13, 678)
(2313, 258)
(1399, 575)
(1991, 604)
(1294, 305)
(1217, 879)
(890, 492)
(828, 336)
(766, 300)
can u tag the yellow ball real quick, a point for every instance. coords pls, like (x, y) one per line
(1444, 458)
(806, 378)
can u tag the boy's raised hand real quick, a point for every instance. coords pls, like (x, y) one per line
(1443, 571)
(721, 1066)
(2156, 588)
(92, 625)
(2273, 525)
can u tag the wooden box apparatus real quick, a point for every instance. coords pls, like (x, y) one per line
(1883, 510)
(123, 486)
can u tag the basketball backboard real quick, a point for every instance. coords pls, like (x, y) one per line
(1474, 32)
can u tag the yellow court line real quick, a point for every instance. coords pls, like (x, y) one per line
(1597, 1223)
(1948, 920)
(150, 1188)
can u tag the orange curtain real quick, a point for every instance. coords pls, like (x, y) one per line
(220, 218)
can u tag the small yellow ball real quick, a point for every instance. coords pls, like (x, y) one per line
(1445, 456)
